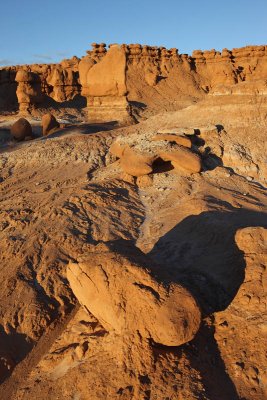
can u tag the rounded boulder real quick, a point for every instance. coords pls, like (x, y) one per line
(21, 129)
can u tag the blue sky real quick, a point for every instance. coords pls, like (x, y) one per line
(34, 31)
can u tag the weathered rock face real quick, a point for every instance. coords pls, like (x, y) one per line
(63, 79)
(104, 85)
(29, 91)
(51, 213)
(123, 295)
(8, 87)
(153, 76)
(179, 139)
(34, 85)
(136, 164)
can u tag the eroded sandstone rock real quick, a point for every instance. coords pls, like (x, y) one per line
(117, 150)
(49, 124)
(105, 85)
(110, 79)
(21, 129)
(120, 291)
(136, 164)
(183, 158)
(138, 157)
(29, 91)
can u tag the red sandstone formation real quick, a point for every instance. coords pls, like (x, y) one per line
(21, 129)
(110, 79)
(104, 85)
(49, 124)
(136, 164)
(86, 315)
(132, 301)
(29, 92)
(181, 157)
(38, 83)
(138, 159)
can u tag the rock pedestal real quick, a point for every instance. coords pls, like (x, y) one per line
(29, 92)
(104, 84)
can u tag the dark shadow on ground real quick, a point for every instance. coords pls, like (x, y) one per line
(85, 129)
(78, 102)
(201, 253)
(12, 344)
(161, 166)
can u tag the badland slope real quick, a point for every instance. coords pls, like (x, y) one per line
(133, 257)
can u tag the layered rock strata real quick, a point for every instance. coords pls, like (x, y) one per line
(113, 79)
(104, 84)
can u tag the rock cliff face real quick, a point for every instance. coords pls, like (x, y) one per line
(114, 79)
(110, 79)
(104, 83)
(32, 86)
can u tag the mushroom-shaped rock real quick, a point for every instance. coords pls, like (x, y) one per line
(21, 129)
(136, 164)
(120, 291)
(181, 140)
(49, 124)
(183, 158)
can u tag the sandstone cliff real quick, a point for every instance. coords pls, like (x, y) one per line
(127, 79)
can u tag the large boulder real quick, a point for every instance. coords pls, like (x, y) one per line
(108, 76)
(49, 124)
(122, 293)
(21, 129)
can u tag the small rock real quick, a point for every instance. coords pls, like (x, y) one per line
(49, 124)
(21, 129)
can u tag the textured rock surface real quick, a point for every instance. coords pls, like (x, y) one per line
(63, 194)
(149, 78)
(183, 158)
(105, 87)
(181, 140)
(121, 293)
(147, 150)
(135, 164)
(31, 86)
